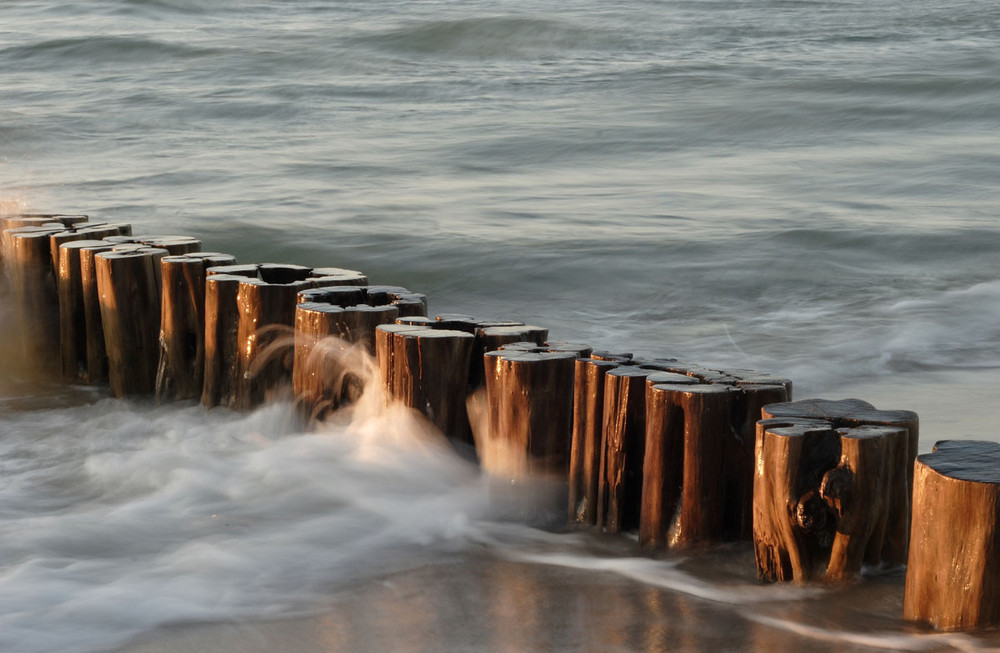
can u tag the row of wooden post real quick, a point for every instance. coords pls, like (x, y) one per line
(684, 455)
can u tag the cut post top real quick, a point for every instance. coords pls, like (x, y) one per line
(977, 461)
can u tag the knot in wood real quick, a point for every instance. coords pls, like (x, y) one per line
(835, 488)
(811, 513)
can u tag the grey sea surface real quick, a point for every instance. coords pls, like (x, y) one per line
(806, 188)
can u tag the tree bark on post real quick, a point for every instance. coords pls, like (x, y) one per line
(953, 573)
(130, 313)
(181, 370)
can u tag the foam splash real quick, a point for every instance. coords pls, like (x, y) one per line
(115, 519)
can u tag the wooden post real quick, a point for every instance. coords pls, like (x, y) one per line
(73, 311)
(97, 355)
(181, 370)
(331, 277)
(624, 445)
(322, 379)
(792, 525)
(953, 574)
(748, 400)
(130, 314)
(342, 296)
(29, 273)
(266, 346)
(85, 231)
(427, 369)
(585, 444)
(175, 245)
(858, 492)
(492, 338)
(222, 319)
(683, 472)
(530, 407)
(855, 412)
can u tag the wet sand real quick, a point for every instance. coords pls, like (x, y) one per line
(485, 603)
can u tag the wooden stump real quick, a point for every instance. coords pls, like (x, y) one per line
(342, 296)
(222, 318)
(175, 245)
(130, 314)
(530, 407)
(748, 400)
(585, 445)
(19, 220)
(266, 347)
(181, 370)
(31, 277)
(623, 448)
(792, 525)
(85, 231)
(73, 316)
(855, 412)
(322, 377)
(683, 467)
(97, 355)
(492, 338)
(858, 491)
(953, 574)
(427, 369)
(332, 277)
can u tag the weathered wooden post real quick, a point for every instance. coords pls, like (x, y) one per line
(321, 378)
(266, 348)
(175, 245)
(953, 573)
(130, 313)
(181, 369)
(683, 467)
(586, 440)
(624, 445)
(73, 310)
(222, 347)
(530, 408)
(859, 491)
(342, 296)
(791, 523)
(30, 274)
(748, 401)
(855, 412)
(824, 497)
(427, 369)
(84, 231)
(97, 355)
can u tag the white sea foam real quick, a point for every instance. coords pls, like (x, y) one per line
(115, 519)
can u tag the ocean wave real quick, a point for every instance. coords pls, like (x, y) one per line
(496, 37)
(90, 50)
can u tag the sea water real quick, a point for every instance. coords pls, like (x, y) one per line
(807, 188)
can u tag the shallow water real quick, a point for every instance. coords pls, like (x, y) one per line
(802, 187)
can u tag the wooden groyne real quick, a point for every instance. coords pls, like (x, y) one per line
(682, 455)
